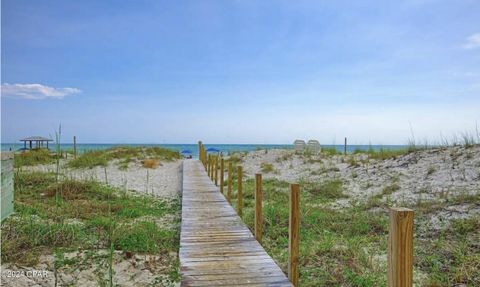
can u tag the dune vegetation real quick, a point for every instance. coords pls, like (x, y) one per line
(348, 246)
(34, 157)
(96, 225)
(124, 155)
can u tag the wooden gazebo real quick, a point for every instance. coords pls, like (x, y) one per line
(39, 142)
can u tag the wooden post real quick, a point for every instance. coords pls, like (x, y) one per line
(239, 191)
(293, 234)
(216, 170)
(222, 169)
(345, 147)
(229, 181)
(204, 157)
(206, 166)
(74, 147)
(209, 165)
(400, 248)
(200, 151)
(258, 207)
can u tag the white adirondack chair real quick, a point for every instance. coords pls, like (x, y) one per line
(299, 145)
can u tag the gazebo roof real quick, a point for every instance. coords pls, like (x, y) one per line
(36, 138)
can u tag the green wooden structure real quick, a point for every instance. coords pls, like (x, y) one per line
(7, 184)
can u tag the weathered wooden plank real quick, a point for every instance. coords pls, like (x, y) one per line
(216, 248)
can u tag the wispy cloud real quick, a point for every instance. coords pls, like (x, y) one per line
(36, 91)
(472, 42)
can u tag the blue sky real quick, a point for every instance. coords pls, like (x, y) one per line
(240, 71)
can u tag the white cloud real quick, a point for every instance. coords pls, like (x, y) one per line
(473, 42)
(36, 91)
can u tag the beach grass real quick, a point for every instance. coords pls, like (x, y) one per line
(85, 215)
(330, 151)
(124, 154)
(34, 157)
(267, 167)
(348, 246)
(385, 153)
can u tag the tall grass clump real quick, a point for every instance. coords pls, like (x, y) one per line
(267, 167)
(90, 159)
(330, 151)
(34, 157)
(150, 163)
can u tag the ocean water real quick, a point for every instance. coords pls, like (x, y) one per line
(193, 148)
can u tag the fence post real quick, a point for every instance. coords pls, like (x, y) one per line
(240, 191)
(206, 166)
(345, 147)
(216, 170)
(229, 182)
(222, 169)
(258, 207)
(204, 157)
(212, 161)
(209, 166)
(74, 147)
(293, 234)
(400, 248)
(200, 150)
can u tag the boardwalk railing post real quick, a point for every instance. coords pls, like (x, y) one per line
(208, 165)
(210, 159)
(222, 170)
(293, 234)
(74, 147)
(200, 151)
(400, 248)
(258, 207)
(229, 182)
(204, 154)
(240, 191)
(216, 170)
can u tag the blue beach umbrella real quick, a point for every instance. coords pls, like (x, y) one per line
(186, 151)
(212, 149)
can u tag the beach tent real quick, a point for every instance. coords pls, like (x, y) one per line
(299, 145)
(313, 146)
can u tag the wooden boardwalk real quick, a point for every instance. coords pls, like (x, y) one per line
(216, 248)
